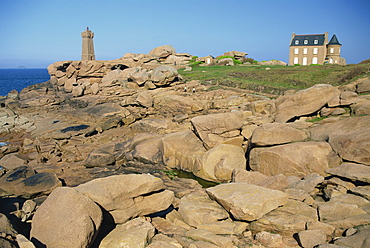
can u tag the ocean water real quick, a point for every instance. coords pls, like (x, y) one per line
(19, 79)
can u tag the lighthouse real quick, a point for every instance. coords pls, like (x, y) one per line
(87, 45)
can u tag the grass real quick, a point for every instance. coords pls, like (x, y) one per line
(277, 79)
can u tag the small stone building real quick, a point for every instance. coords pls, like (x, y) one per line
(310, 49)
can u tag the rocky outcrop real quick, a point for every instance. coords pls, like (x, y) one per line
(51, 224)
(134, 233)
(24, 182)
(119, 139)
(307, 157)
(304, 102)
(236, 54)
(218, 163)
(246, 201)
(275, 133)
(217, 129)
(128, 196)
(273, 62)
(348, 137)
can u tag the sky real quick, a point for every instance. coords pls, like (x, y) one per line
(36, 33)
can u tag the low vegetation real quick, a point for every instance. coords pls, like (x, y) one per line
(276, 79)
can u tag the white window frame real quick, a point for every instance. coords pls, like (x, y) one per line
(296, 50)
(296, 60)
(305, 50)
(314, 60)
(296, 42)
(316, 42)
(332, 50)
(315, 50)
(305, 42)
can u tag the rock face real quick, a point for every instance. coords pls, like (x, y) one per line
(246, 201)
(24, 182)
(307, 157)
(275, 133)
(98, 125)
(272, 62)
(216, 129)
(350, 138)
(197, 209)
(352, 171)
(51, 224)
(134, 233)
(218, 163)
(163, 51)
(128, 196)
(304, 102)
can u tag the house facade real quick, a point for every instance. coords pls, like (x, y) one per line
(310, 49)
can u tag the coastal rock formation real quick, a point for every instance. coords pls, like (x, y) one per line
(101, 153)
(246, 201)
(304, 102)
(51, 224)
(307, 157)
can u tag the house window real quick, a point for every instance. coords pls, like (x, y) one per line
(304, 61)
(315, 50)
(295, 61)
(331, 61)
(316, 42)
(304, 50)
(296, 42)
(314, 60)
(331, 50)
(296, 50)
(305, 42)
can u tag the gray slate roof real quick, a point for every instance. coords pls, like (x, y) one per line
(310, 40)
(334, 41)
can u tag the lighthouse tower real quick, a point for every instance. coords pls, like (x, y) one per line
(87, 45)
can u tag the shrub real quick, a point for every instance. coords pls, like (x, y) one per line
(366, 61)
(196, 63)
(234, 60)
(250, 60)
(297, 64)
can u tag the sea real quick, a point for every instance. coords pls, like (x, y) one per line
(19, 79)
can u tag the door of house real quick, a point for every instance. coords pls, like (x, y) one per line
(304, 61)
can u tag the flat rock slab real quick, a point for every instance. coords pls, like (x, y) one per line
(134, 233)
(294, 159)
(197, 209)
(207, 236)
(247, 201)
(286, 220)
(331, 211)
(304, 102)
(352, 171)
(111, 192)
(363, 191)
(349, 137)
(276, 133)
(209, 126)
(23, 182)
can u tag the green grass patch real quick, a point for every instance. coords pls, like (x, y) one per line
(317, 119)
(278, 78)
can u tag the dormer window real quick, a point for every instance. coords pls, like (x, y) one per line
(296, 42)
(316, 42)
(305, 42)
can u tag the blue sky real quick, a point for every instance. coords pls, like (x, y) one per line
(36, 33)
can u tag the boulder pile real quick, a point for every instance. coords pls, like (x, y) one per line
(103, 168)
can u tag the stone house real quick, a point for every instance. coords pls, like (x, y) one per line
(310, 49)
